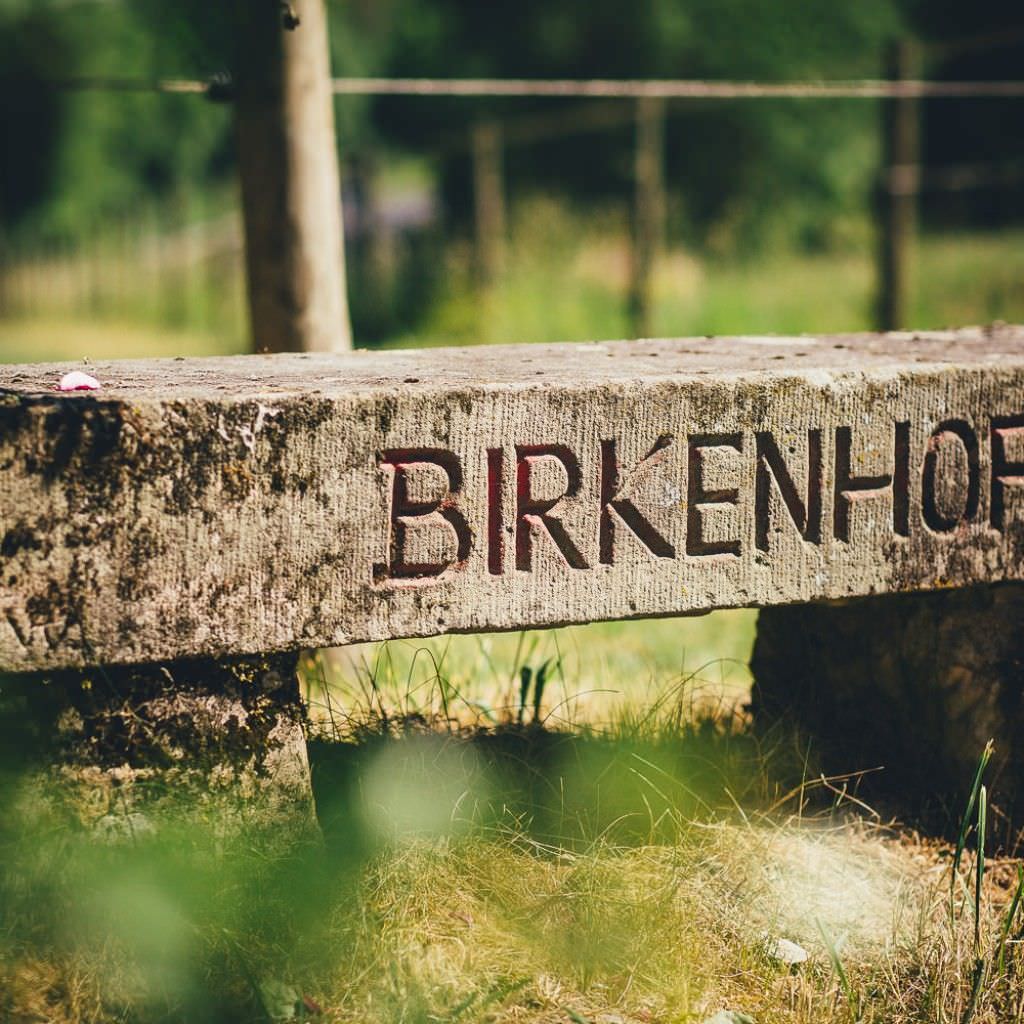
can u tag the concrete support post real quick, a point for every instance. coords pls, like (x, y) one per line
(912, 683)
(130, 746)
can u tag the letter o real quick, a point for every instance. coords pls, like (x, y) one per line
(934, 518)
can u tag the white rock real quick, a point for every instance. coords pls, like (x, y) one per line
(785, 951)
(729, 1017)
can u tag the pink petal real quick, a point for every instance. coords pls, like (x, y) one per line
(78, 381)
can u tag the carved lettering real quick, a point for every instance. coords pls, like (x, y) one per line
(1006, 472)
(614, 507)
(806, 516)
(440, 512)
(901, 480)
(850, 489)
(495, 522)
(698, 498)
(534, 514)
(433, 521)
(960, 433)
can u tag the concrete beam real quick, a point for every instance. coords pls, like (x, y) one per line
(216, 507)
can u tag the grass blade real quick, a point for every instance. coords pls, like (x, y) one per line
(965, 827)
(538, 689)
(525, 678)
(972, 1003)
(979, 873)
(1011, 913)
(837, 966)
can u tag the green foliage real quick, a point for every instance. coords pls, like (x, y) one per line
(86, 155)
(98, 153)
(740, 170)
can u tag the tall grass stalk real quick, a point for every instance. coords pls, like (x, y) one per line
(965, 829)
(979, 867)
(1008, 918)
(840, 970)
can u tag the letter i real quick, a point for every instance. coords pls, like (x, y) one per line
(495, 534)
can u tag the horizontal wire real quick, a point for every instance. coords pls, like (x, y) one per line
(105, 84)
(599, 88)
(673, 88)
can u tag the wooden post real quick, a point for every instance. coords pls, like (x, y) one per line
(898, 194)
(649, 212)
(489, 201)
(291, 194)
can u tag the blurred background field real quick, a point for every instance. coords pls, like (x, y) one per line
(120, 229)
(566, 280)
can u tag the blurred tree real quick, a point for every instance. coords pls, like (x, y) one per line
(32, 117)
(980, 41)
(103, 151)
(72, 158)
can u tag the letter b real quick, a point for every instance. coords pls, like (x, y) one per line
(439, 513)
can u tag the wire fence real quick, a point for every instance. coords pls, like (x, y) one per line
(219, 88)
(643, 102)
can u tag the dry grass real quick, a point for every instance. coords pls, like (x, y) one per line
(484, 862)
(635, 871)
(515, 875)
(499, 928)
(665, 933)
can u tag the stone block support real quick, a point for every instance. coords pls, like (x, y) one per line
(219, 744)
(914, 684)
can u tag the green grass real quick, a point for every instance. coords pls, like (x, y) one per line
(511, 876)
(566, 280)
(573, 825)
(597, 674)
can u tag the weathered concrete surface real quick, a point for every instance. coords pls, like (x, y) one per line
(223, 506)
(913, 684)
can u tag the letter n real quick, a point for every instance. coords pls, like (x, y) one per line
(771, 467)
